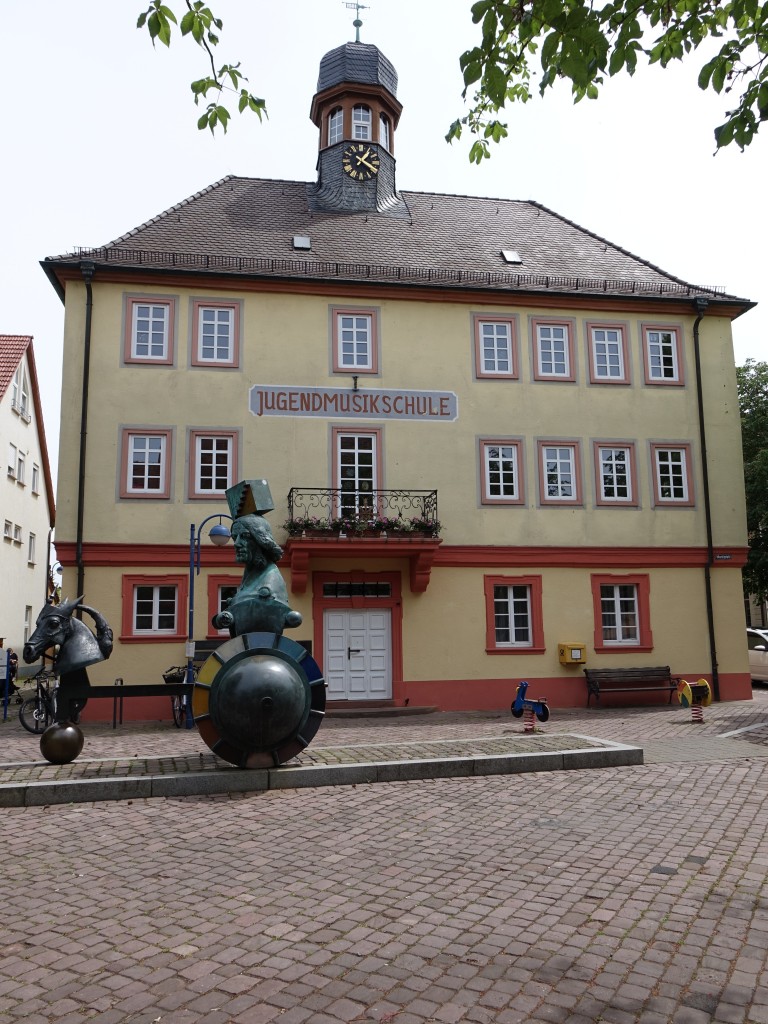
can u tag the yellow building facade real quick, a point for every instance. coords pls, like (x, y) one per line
(489, 434)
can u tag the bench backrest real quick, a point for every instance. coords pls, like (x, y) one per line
(656, 673)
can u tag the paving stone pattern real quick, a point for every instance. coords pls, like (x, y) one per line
(633, 895)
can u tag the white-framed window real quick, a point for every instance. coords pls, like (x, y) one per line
(361, 122)
(31, 549)
(13, 456)
(149, 330)
(608, 355)
(224, 594)
(17, 534)
(216, 337)
(384, 131)
(502, 473)
(147, 455)
(512, 615)
(214, 462)
(35, 478)
(335, 126)
(559, 473)
(149, 337)
(155, 609)
(619, 614)
(553, 351)
(495, 346)
(27, 622)
(354, 341)
(661, 351)
(356, 473)
(21, 469)
(672, 483)
(20, 393)
(615, 474)
(7, 530)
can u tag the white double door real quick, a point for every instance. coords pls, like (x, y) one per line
(358, 654)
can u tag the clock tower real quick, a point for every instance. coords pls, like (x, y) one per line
(356, 111)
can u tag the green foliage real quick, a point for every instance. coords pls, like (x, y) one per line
(199, 23)
(752, 380)
(584, 43)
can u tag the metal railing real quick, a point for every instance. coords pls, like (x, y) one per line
(343, 510)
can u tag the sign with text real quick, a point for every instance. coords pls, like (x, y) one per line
(346, 403)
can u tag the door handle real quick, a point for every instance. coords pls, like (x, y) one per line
(351, 651)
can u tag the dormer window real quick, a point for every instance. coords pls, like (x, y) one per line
(384, 131)
(335, 126)
(361, 122)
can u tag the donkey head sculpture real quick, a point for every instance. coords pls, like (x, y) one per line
(78, 647)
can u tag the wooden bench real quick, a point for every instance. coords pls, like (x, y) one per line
(628, 680)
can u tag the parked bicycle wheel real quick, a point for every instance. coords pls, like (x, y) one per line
(178, 709)
(33, 714)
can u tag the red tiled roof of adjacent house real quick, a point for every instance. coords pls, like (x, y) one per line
(12, 348)
(246, 226)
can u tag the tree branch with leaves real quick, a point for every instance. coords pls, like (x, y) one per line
(585, 44)
(752, 381)
(199, 23)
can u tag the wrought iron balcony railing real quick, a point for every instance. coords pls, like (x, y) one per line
(346, 511)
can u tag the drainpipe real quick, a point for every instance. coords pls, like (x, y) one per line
(87, 269)
(701, 308)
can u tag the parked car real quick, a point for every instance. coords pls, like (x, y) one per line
(757, 643)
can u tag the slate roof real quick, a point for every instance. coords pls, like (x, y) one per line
(357, 62)
(246, 226)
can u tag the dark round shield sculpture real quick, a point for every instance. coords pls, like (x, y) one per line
(61, 742)
(258, 700)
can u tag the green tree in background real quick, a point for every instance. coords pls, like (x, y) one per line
(752, 380)
(572, 40)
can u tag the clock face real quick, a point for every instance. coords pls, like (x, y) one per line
(360, 161)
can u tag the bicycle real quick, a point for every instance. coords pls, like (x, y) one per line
(178, 674)
(37, 712)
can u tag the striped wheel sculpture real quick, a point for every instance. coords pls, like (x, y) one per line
(258, 700)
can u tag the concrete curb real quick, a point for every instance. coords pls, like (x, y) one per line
(234, 780)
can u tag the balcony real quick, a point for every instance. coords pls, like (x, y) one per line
(361, 523)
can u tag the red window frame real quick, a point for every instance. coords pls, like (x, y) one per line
(537, 615)
(602, 502)
(578, 500)
(131, 302)
(369, 311)
(192, 493)
(570, 330)
(129, 584)
(478, 319)
(658, 501)
(510, 442)
(614, 325)
(677, 331)
(126, 433)
(642, 583)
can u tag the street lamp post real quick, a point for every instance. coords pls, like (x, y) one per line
(219, 535)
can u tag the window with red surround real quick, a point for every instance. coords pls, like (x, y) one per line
(213, 462)
(145, 462)
(553, 355)
(514, 621)
(495, 346)
(622, 612)
(663, 354)
(215, 333)
(608, 353)
(560, 473)
(672, 474)
(154, 608)
(149, 330)
(355, 340)
(501, 471)
(615, 473)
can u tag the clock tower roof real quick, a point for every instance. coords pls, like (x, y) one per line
(361, 63)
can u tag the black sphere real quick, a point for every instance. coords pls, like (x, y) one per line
(61, 742)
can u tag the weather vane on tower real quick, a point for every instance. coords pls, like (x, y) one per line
(357, 7)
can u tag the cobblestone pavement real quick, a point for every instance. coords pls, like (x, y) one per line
(633, 895)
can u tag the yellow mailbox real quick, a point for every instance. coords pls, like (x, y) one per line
(572, 653)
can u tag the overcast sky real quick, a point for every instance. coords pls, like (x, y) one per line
(99, 135)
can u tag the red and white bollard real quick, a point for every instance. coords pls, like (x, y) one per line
(528, 720)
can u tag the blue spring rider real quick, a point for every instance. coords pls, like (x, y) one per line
(521, 704)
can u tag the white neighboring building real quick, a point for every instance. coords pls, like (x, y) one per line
(27, 510)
